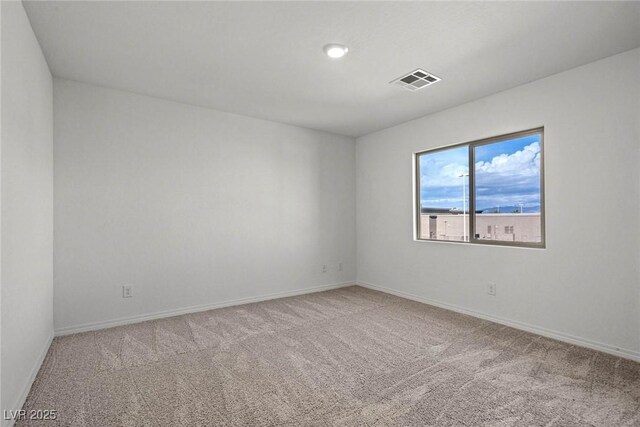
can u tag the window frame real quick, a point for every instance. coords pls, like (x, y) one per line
(472, 191)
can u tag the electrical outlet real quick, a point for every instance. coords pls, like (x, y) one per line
(340, 267)
(324, 268)
(491, 289)
(127, 291)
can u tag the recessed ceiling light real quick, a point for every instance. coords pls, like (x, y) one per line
(335, 51)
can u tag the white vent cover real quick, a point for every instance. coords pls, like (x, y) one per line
(417, 79)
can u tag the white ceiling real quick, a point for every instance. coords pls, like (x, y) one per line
(265, 59)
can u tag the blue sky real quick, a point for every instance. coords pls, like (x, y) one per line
(507, 174)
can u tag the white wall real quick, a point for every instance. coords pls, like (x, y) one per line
(27, 206)
(586, 284)
(191, 206)
(1, 402)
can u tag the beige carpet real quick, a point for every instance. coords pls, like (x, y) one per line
(347, 357)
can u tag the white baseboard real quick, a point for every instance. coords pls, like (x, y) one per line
(194, 309)
(29, 382)
(560, 336)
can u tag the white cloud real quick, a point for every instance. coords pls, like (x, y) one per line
(447, 175)
(523, 163)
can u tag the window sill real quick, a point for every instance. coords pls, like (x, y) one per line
(481, 243)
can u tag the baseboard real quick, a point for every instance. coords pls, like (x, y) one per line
(194, 309)
(560, 336)
(27, 387)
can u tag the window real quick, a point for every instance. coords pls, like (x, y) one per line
(498, 200)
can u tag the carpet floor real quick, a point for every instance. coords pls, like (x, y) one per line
(346, 357)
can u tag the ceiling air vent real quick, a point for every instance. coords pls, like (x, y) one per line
(415, 80)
